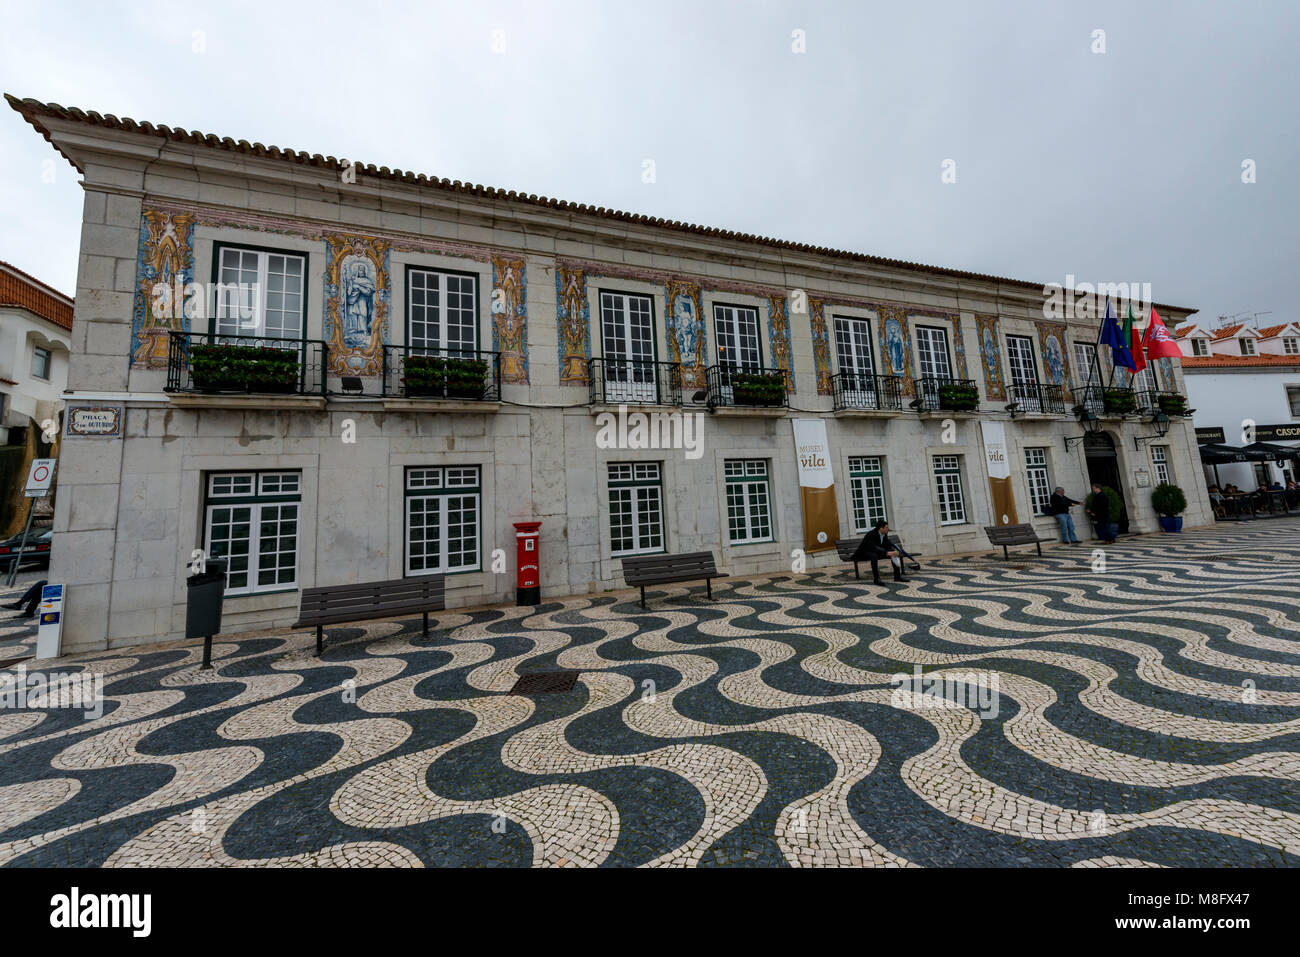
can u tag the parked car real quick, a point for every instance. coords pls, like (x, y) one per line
(37, 552)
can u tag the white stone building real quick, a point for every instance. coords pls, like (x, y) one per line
(35, 330)
(377, 285)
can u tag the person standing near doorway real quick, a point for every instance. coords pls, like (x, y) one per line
(1059, 505)
(1100, 513)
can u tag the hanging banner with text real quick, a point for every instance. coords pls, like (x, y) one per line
(998, 465)
(821, 517)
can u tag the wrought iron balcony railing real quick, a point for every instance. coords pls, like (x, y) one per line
(210, 363)
(855, 390)
(944, 394)
(747, 386)
(634, 382)
(1170, 403)
(1036, 397)
(1107, 400)
(461, 375)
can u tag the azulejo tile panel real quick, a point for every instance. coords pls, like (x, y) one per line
(164, 272)
(510, 318)
(357, 297)
(1022, 713)
(995, 386)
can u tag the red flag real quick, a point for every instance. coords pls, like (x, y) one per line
(1139, 360)
(1159, 343)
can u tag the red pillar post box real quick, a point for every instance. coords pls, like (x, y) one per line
(527, 554)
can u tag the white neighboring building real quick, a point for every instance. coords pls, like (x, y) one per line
(35, 332)
(1227, 391)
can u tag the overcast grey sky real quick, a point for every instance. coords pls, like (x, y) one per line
(1123, 166)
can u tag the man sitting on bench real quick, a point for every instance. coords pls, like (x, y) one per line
(876, 545)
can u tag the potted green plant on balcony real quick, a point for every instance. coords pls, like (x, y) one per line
(272, 370)
(1172, 404)
(424, 376)
(227, 367)
(758, 388)
(958, 397)
(1119, 401)
(1170, 502)
(466, 378)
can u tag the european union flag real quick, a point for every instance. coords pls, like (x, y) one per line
(1111, 336)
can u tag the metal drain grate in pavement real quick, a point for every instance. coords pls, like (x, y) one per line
(545, 682)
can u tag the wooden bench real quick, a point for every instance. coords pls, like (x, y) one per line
(1007, 535)
(662, 569)
(336, 604)
(847, 546)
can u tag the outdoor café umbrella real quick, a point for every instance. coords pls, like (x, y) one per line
(1212, 453)
(1273, 450)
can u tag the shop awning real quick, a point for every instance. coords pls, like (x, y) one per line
(1273, 450)
(1214, 454)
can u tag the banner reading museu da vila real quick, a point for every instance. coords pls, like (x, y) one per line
(821, 516)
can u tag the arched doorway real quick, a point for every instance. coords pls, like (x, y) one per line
(1103, 469)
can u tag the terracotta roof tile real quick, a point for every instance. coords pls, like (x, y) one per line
(1227, 331)
(1271, 331)
(1224, 362)
(33, 110)
(17, 288)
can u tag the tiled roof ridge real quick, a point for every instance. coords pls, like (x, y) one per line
(28, 107)
(1227, 362)
(24, 291)
(32, 279)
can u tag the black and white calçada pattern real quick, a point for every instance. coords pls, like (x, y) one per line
(1052, 714)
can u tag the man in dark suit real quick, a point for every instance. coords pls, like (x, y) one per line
(875, 546)
(1100, 513)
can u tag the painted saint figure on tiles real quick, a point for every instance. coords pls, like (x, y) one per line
(359, 300)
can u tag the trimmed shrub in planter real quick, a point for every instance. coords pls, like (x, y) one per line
(758, 388)
(1112, 496)
(958, 397)
(1119, 401)
(1170, 502)
(1172, 404)
(222, 367)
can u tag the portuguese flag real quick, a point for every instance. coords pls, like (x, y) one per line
(1132, 336)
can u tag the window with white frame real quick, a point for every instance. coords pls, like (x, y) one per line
(1145, 380)
(932, 352)
(41, 363)
(636, 508)
(1020, 357)
(1160, 463)
(1291, 346)
(1247, 346)
(749, 501)
(736, 328)
(1200, 347)
(1085, 364)
(853, 346)
(251, 524)
(1293, 400)
(260, 293)
(867, 489)
(947, 483)
(441, 311)
(444, 508)
(1039, 482)
(627, 347)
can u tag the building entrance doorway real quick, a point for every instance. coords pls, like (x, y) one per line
(1103, 469)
